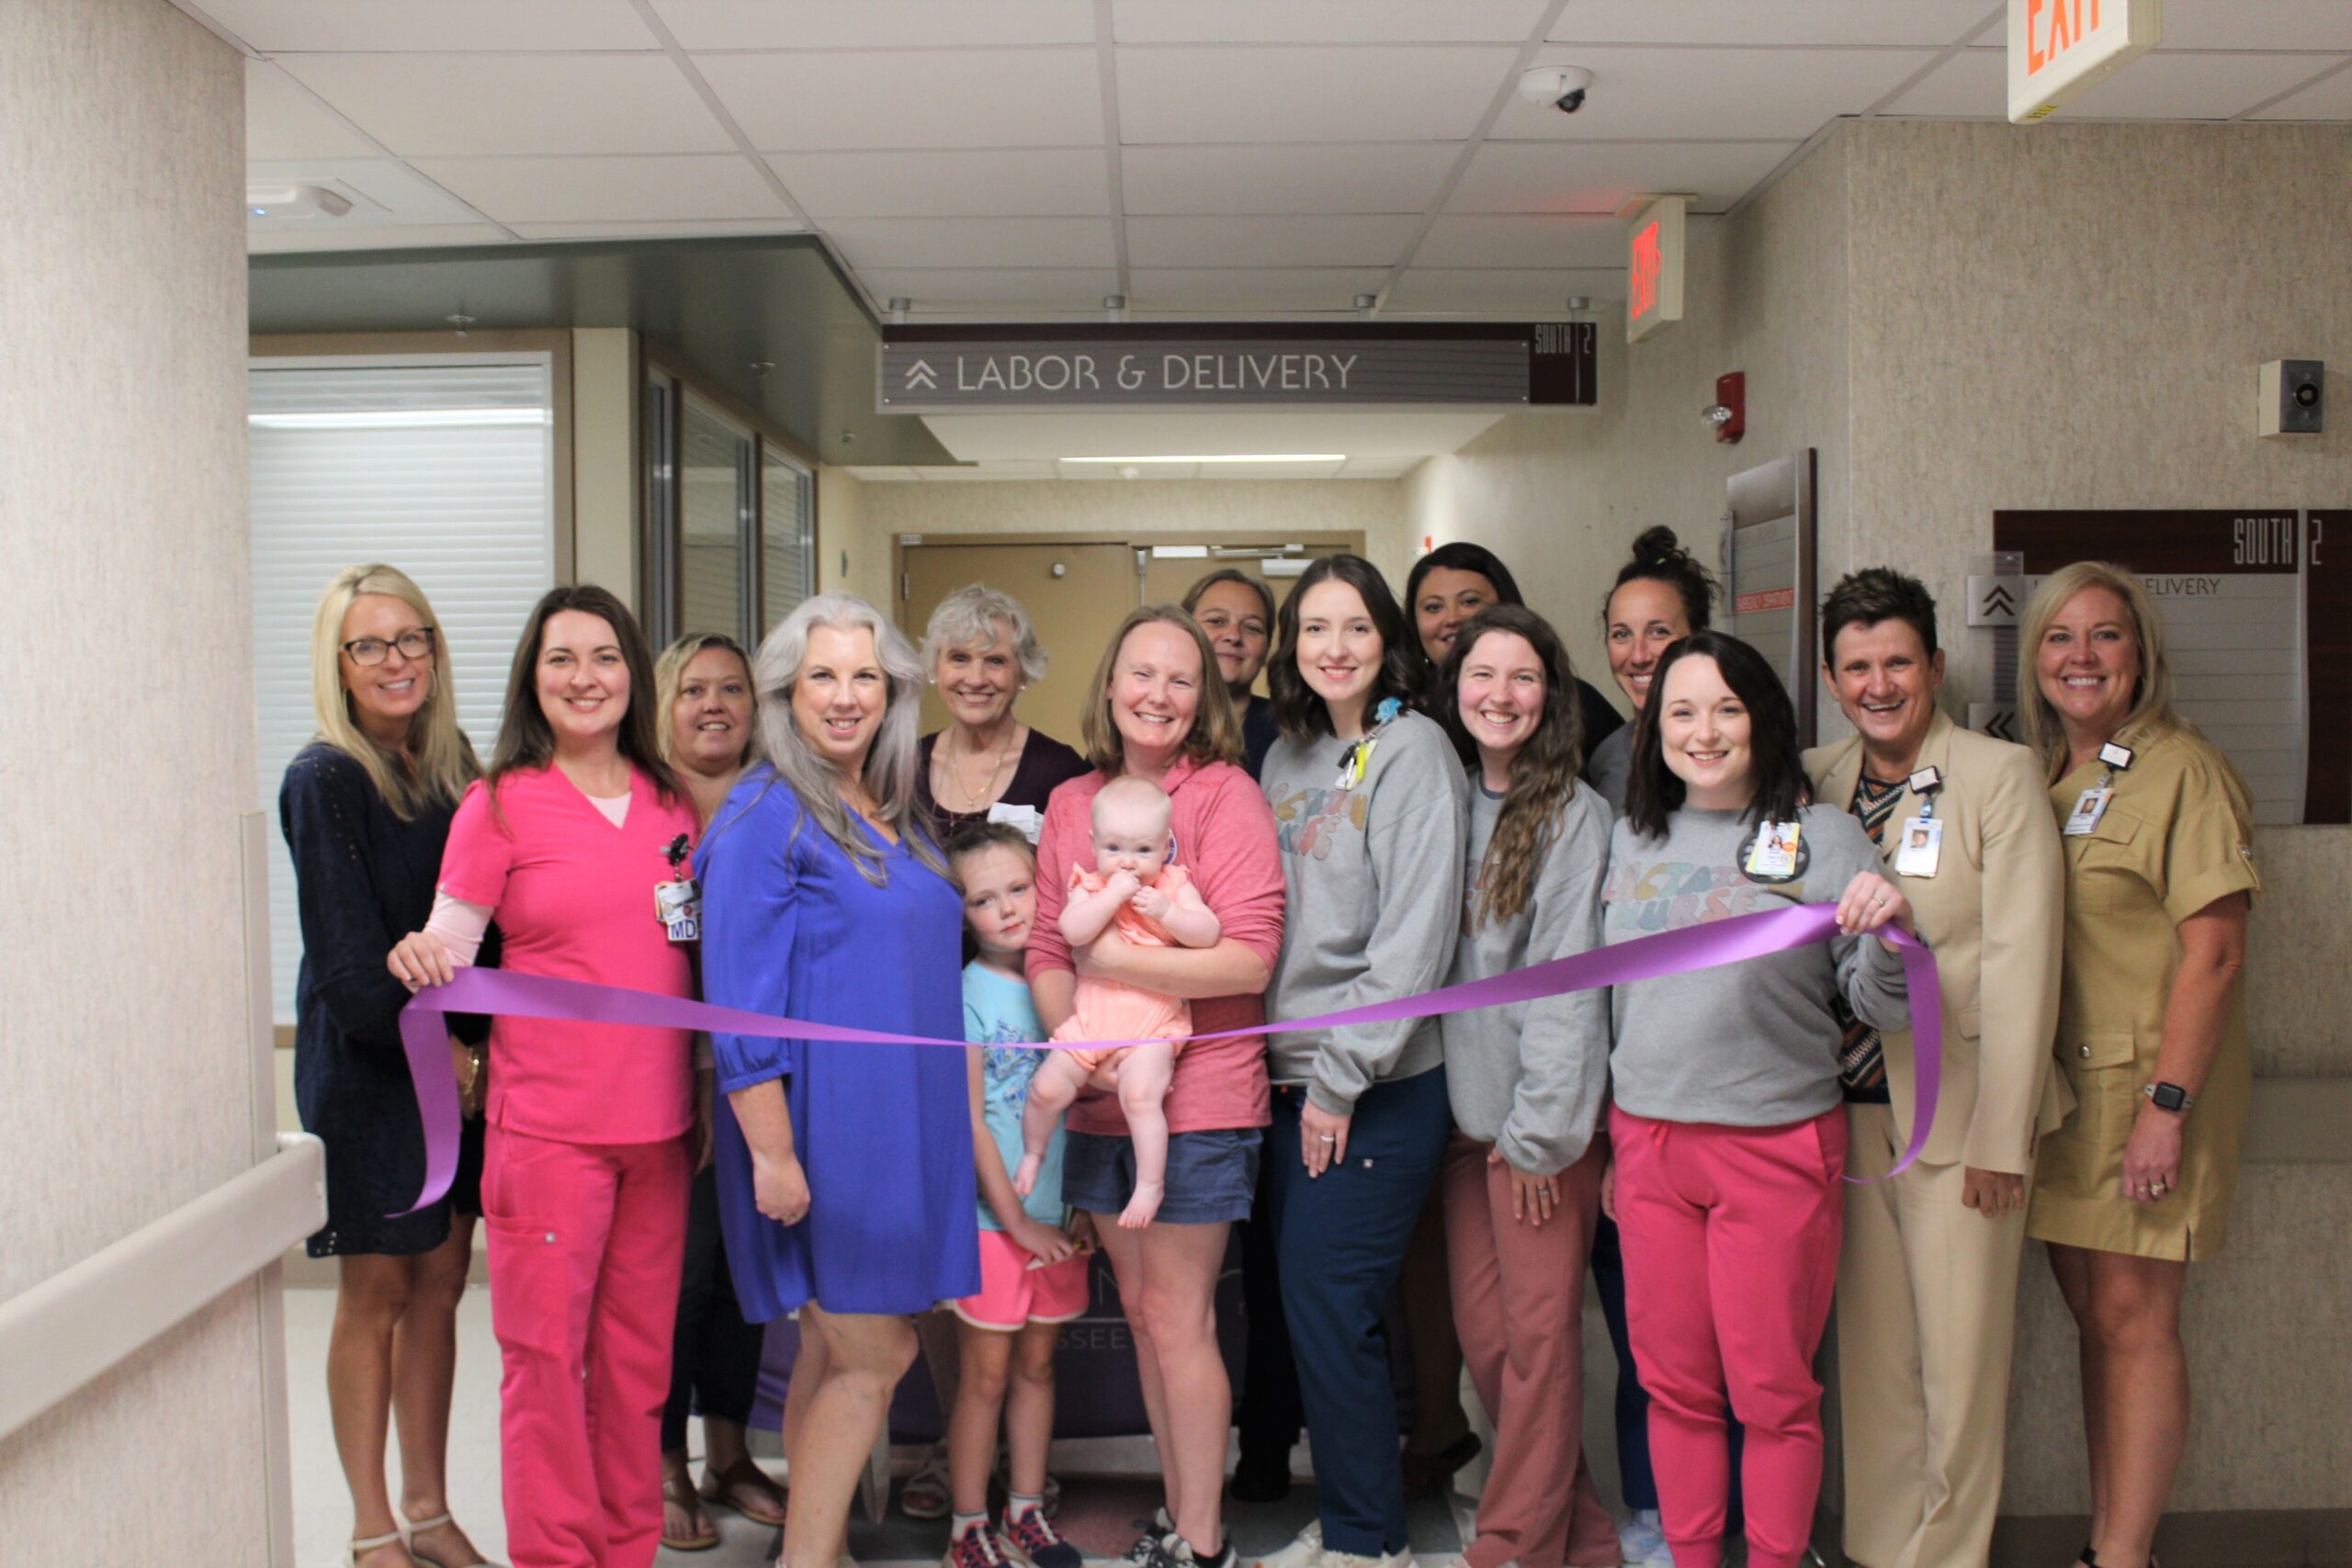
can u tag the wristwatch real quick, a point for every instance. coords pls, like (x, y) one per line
(2170, 1096)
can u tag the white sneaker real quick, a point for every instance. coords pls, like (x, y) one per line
(1306, 1551)
(1642, 1542)
(1331, 1559)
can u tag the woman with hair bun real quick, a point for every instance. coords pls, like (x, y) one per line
(1662, 595)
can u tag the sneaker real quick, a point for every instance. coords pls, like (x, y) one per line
(1332, 1559)
(1180, 1554)
(1306, 1552)
(1642, 1542)
(1050, 1500)
(1158, 1537)
(974, 1548)
(1030, 1539)
(925, 1495)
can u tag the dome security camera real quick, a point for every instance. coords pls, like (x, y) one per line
(1563, 87)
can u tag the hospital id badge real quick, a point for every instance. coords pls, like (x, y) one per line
(1921, 847)
(2089, 807)
(678, 906)
(1772, 853)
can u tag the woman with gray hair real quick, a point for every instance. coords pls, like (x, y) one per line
(987, 766)
(846, 1186)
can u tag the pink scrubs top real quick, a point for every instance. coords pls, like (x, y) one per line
(573, 896)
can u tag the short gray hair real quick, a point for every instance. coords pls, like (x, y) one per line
(969, 617)
(890, 766)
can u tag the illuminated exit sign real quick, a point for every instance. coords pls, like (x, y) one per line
(2058, 49)
(1654, 251)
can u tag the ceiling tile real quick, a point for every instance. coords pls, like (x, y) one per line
(1324, 241)
(974, 241)
(1035, 183)
(648, 229)
(1371, 177)
(568, 190)
(1522, 240)
(2165, 85)
(387, 237)
(293, 26)
(1269, 288)
(1382, 94)
(874, 24)
(1699, 93)
(2331, 99)
(381, 190)
(949, 290)
(515, 105)
(1551, 177)
(1975, 82)
(1543, 294)
(284, 121)
(2161, 85)
(956, 98)
(1323, 21)
(2256, 24)
(1937, 22)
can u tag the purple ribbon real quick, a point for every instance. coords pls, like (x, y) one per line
(509, 994)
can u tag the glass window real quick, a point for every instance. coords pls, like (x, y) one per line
(443, 469)
(788, 536)
(716, 524)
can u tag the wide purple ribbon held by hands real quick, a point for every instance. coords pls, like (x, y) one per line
(425, 1030)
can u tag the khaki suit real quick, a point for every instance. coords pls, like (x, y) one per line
(1927, 1288)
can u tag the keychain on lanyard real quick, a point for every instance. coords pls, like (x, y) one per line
(1357, 758)
(2091, 804)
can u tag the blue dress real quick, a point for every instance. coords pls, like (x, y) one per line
(883, 1131)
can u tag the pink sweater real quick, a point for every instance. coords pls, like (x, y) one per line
(1225, 837)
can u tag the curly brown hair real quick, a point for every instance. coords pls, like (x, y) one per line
(1543, 774)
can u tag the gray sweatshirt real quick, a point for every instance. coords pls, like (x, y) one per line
(1611, 766)
(1531, 1077)
(1747, 1044)
(1372, 882)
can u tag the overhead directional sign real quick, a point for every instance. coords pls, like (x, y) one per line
(1234, 365)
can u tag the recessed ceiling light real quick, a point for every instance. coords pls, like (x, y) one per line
(295, 201)
(1228, 458)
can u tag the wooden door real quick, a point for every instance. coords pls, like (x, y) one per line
(1076, 593)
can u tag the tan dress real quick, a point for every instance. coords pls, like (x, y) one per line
(2175, 836)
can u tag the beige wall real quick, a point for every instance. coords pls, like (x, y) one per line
(1118, 509)
(122, 487)
(607, 501)
(852, 558)
(1966, 317)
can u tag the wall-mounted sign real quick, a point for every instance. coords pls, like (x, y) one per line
(2060, 47)
(1234, 365)
(1654, 254)
(2257, 615)
(1768, 560)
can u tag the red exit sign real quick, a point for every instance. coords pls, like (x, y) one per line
(1654, 254)
(2060, 47)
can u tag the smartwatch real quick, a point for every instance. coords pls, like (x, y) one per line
(2170, 1096)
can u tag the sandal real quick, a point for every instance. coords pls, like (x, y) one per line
(678, 1493)
(360, 1547)
(747, 1489)
(425, 1559)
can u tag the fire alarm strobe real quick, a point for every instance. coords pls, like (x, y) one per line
(2291, 398)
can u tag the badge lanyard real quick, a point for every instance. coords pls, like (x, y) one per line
(2091, 804)
(1357, 759)
(1919, 846)
(677, 903)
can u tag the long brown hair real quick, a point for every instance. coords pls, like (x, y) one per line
(1403, 667)
(525, 738)
(1216, 736)
(1544, 774)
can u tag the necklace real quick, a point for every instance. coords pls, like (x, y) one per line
(981, 798)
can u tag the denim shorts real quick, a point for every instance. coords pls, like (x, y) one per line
(1211, 1175)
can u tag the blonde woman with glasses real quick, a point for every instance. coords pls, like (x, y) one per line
(365, 810)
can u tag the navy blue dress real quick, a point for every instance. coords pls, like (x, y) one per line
(884, 1133)
(364, 879)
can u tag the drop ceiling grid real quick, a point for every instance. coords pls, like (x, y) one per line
(1199, 155)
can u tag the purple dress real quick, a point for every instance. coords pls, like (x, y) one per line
(884, 1132)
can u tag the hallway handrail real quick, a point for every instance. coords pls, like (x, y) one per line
(69, 1330)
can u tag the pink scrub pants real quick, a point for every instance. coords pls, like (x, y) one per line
(1731, 1238)
(585, 1243)
(1518, 1309)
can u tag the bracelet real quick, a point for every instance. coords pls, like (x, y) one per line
(474, 1056)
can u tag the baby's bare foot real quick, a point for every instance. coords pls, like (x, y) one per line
(1024, 1180)
(1143, 1205)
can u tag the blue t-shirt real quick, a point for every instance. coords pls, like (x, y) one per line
(997, 1015)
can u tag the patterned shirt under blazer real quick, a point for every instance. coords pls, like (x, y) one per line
(1998, 932)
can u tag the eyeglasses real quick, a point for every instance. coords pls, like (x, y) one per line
(413, 644)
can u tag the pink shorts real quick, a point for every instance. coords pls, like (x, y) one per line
(1014, 1295)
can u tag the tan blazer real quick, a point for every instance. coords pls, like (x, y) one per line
(1995, 915)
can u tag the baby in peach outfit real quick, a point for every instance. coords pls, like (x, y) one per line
(1133, 894)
